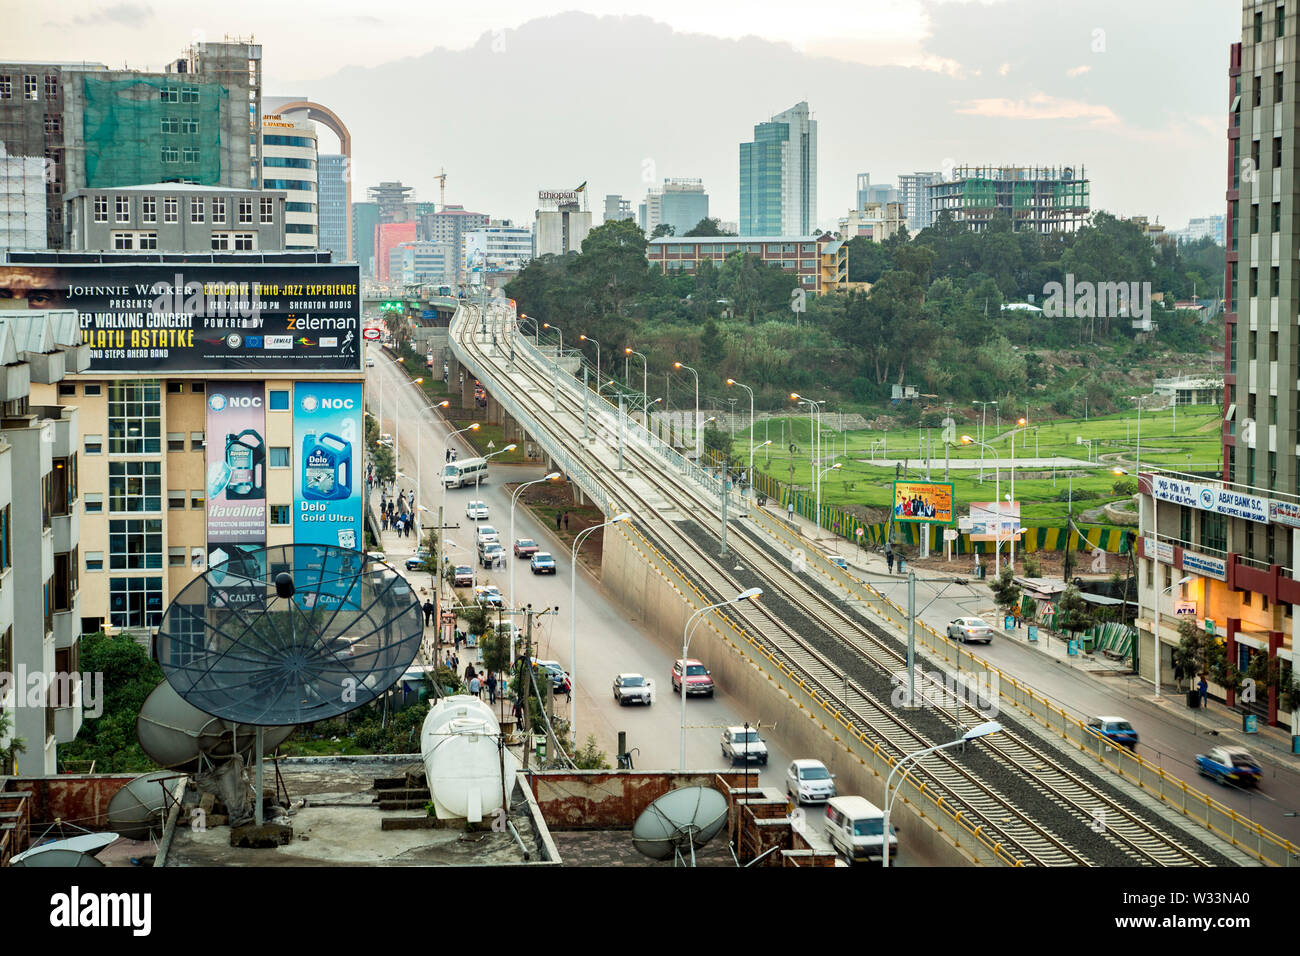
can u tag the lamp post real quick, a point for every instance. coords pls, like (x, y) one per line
(686, 641)
(559, 332)
(822, 475)
(397, 442)
(573, 618)
(588, 338)
(443, 503)
(513, 498)
(528, 318)
(983, 421)
(1020, 425)
(997, 498)
(981, 730)
(645, 376)
(814, 408)
(479, 475)
(419, 481)
(732, 381)
(695, 422)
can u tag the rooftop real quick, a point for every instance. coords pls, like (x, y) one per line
(709, 240)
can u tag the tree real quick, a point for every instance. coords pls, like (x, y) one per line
(718, 441)
(707, 227)
(1006, 593)
(591, 757)
(1073, 613)
(385, 469)
(612, 267)
(494, 650)
(868, 260)
(129, 677)
(12, 749)
(662, 230)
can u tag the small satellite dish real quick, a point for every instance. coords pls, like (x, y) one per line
(680, 820)
(74, 851)
(139, 809)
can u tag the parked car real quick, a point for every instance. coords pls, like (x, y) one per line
(744, 744)
(488, 594)
(370, 363)
(698, 680)
(525, 547)
(542, 563)
(967, 629)
(476, 511)
(416, 561)
(808, 781)
(1230, 764)
(1115, 730)
(553, 671)
(485, 532)
(633, 688)
(376, 556)
(464, 576)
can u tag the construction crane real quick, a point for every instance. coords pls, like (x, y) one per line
(442, 185)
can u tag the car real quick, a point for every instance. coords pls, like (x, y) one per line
(1230, 764)
(464, 576)
(525, 547)
(476, 510)
(416, 561)
(542, 563)
(386, 439)
(743, 744)
(840, 562)
(376, 556)
(968, 629)
(490, 553)
(485, 532)
(488, 594)
(554, 671)
(808, 781)
(370, 363)
(1114, 730)
(698, 679)
(633, 688)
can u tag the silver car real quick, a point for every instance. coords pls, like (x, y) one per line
(808, 781)
(967, 629)
(632, 689)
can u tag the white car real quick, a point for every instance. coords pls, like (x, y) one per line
(743, 743)
(370, 363)
(967, 629)
(485, 533)
(632, 688)
(476, 510)
(808, 781)
(386, 439)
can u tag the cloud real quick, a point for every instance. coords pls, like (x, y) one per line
(119, 14)
(1040, 106)
(1077, 70)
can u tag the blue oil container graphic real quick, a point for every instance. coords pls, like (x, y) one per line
(326, 468)
(246, 461)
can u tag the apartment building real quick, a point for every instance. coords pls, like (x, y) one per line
(801, 256)
(171, 217)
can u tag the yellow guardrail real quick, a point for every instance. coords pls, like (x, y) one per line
(1239, 830)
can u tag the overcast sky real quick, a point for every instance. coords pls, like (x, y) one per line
(1135, 90)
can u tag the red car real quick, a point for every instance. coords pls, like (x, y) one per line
(525, 547)
(698, 680)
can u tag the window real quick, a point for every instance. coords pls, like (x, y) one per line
(1254, 282)
(304, 141)
(1254, 154)
(176, 388)
(146, 240)
(197, 210)
(134, 418)
(189, 94)
(268, 210)
(299, 207)
(197, 499)
(92, 388)
(175, 441)
(170, 154)
(148, 208)
(94, 560)
(171, 209)
(246, 209)
(94, 502)
(279, 400)
(169, 94)
(176, 557)
(52, 79)
(6, 539)
(30, 90)
(175, 500)
(123, 240)
(245, 241)
(190, 154)
(299, 227)
(93, 444)
(53, 125)
(280, 514)
(1254, 218)
(219, 210)
(189, 126)
(63, 477)
(1277, 152)
(135, 602)
(220, 241)
(1255, 91)
(1278, 87)
(67, 388)
(196, 439)
(1274, 284)
(6, 87)
(1281, 20)
(285, 162)
(169, 125)
(66, 566)
(134, 486)
(101, 209)
(279, 457)
(135, 545)
(1277, 217)
(1259, 26)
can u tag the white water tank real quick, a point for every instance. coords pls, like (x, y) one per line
(461, 747)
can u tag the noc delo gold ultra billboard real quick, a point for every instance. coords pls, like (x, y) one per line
(180, 317)
(923, 501)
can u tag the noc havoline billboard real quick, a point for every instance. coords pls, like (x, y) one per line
(194, 317)
(236, 483)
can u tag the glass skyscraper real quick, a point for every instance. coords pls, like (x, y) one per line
(333, 208)
(778, 176)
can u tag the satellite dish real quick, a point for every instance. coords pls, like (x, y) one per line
(233, 647)
(74, 851)
(138, 810)
(177, 735)
(686, 818)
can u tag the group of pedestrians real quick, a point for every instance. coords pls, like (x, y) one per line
(561, 519)
(481, 682)
(393, 518)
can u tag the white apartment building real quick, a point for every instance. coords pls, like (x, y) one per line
(289, 163)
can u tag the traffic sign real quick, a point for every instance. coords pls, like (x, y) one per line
(370, 333)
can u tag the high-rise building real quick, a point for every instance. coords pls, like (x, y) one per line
(393, 200)
(1202, 227)
(559, 224)
(616, 208)
(1221, 550)
(426, 263)
(680, 203)
(867, 193)
(778, 176)
(1044, 199)
(497, 247)
(175, 217)
(913, 194)
(333, 205)
(874, 221)
(449, 225)
(289, 164)
(365, 217)
(388, 259)
(93, 127)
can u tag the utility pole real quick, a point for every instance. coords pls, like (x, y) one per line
(522, 680)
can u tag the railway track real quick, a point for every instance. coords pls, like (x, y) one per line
(872, 654)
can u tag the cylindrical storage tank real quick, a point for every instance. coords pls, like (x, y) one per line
(461, 746)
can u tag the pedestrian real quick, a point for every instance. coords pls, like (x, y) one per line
(567, 688)
(1015, 614)
(518, 711)
(428, 612)
(889, 556)
(469, 671)
(566, 521)
(475, 686)
(1204, 688)
(491, 683)
(447, 455)
(455, 662)
(558, 519)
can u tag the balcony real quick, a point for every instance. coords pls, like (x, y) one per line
(67, 629)
(15, 381)
(67, 723)
(47, 367)
(66, 532)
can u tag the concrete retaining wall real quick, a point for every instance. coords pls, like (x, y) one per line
(664, 601)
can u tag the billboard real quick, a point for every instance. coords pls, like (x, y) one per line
(929, 501)
(985, 516)
(236, 485)
(193, 317)
(327, 441)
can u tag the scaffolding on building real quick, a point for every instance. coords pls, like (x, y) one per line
(1042, 198)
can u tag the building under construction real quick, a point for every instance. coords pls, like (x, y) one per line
(1042, 198)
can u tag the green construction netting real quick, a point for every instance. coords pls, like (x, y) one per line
(1022, 195)
(152, 129)
(1072, 195)
(977, 193)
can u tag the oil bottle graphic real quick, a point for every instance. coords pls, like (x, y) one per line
(327, 467)
(246, 459)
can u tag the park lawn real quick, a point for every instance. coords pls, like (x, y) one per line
(495, 434)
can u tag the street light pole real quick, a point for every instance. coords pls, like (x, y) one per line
(560, 332)
(513, 498)
(442, 505)
(588, 338)
(732, 381)
(686, 640)
(573, 619)
(645, 380)
(819, 492)
(997, 500)
(695, 422)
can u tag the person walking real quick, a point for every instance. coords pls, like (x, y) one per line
(428, 612)
(475, 686)
(1015, 613)
(518, 711)
(889, 556)
(566, 521)
(567, 688)
(1204, 688)
(558, 519)
(469, 672)
(491, 683)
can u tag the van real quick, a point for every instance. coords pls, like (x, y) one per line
(854, 827)
(457, 474)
